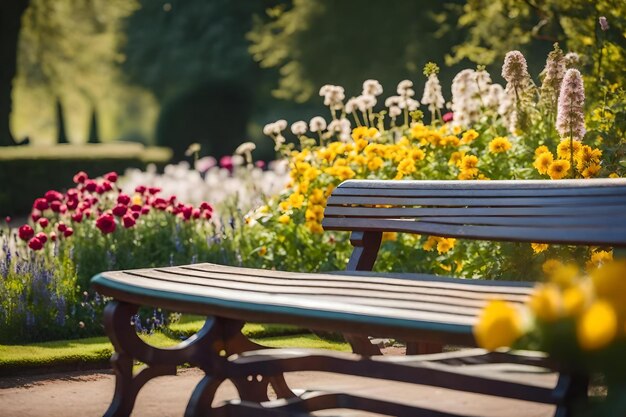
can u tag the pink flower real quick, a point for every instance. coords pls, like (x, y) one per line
(206, 206)
(140, 189)
(35, 244)
(260, 164)
(53, 236)
(570, 118)
(43, 238)
(68, 232)
(154, 190)
(135, 207)
(123, 199)
(53, 195)
(604, 24)
(7, 219)
(43, 222)
(106, 223)
(87, 213)
(128, 220)
(106, 185)
(135, 214)
(77, 217)
(56, 206)
(80, 177)
(35, 215)
(72, 204)
(145, 209)
(448, 117)
(195, 213)
(159, 203)
(72, 193)
(120, 210)
(61, 227)
(111, 176)
(187, 210)
(226, 162)
(91, 185)
(41, 204)
(25, 232)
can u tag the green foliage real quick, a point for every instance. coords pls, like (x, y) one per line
(313, 43)
(25, 171)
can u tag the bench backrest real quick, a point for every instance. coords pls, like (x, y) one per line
(587, 212)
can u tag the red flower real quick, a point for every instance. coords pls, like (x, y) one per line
(72, 193)
(128, 220)
(72, 204)
(53, 236)
(56, 206)
(68, 232)
(106, 223)
(154, 190)
(53, 195)
(120, 210)
(111, 176)
(43, 222)
(35, 244)
(77, 217)
(61, 227)
(35, 215)
(40, 204)
(63, 209)
(172, 199)
(123, 199)
(187, 212)
(87, 213)
(7, 219)
(42, 237)
(135, 207)
(448, 117)
(145, 209)
(159, 203)
(207, 214)
(100, 189)
(91, 185)
(107, 186)
(206, 206)
(135, 214)
(81, 177)
(226, 162)
(140, 189)
(196, 213)
(25, 232)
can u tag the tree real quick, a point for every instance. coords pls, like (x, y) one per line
(10, 17)
(345, 42)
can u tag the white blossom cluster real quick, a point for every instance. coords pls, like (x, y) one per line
(275, 131)
(333, 96)
(367, 100)
(249, 187)
(432, 94)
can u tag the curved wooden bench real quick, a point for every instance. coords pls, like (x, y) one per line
(358, 303)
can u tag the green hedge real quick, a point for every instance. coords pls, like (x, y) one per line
(27, 172)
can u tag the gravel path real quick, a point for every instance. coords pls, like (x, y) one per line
(89, 393)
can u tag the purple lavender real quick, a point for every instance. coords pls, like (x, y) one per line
(570, 119)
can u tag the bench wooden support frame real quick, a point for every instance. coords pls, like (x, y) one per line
(425, 311)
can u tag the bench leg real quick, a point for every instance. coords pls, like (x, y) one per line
(572, 388)
(199, 350)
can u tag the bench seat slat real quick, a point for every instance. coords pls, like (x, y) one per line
(495, 185)
(408, 309)
(611, 235)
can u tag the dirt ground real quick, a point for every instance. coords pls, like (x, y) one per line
(88, 393)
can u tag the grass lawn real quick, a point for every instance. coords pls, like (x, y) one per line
(96, 351)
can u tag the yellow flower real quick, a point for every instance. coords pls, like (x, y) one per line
(545, 302)
(539, 247)
(540, 150)
(468, 174)
(558, 169)
(314, 227)
(430, 243)
(296, 200)
(543, 162)
(565, 275)
(499, 144)
(390, 236)
(456, 157)
(469, 162)
(137, 199)
(613, 175)
(469, 136)
(599, 258)
(563, 150)
(550, 266)
(406, 167)
(262, 251)
(499, 325)
(445, 245)
(375, 163)
(587, 156)
(284, 219)
(445, 267)
(610, 284)
(597, 326)
(575, 300)
(591, 171)
(359, 133)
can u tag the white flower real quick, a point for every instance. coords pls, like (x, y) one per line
(372, 88)
(278, 141)
(466, 97)
(281, 124)
(405, 88)
(333, 96)
(392, 101)
(339, 125)
(268, 129)
(317, 124)
(366, 102)
(432, 93)
(245, 147)
(351, 105)
(395, 111)
(299, 128)
(237, 160)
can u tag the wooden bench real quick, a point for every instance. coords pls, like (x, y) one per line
(358, 303)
